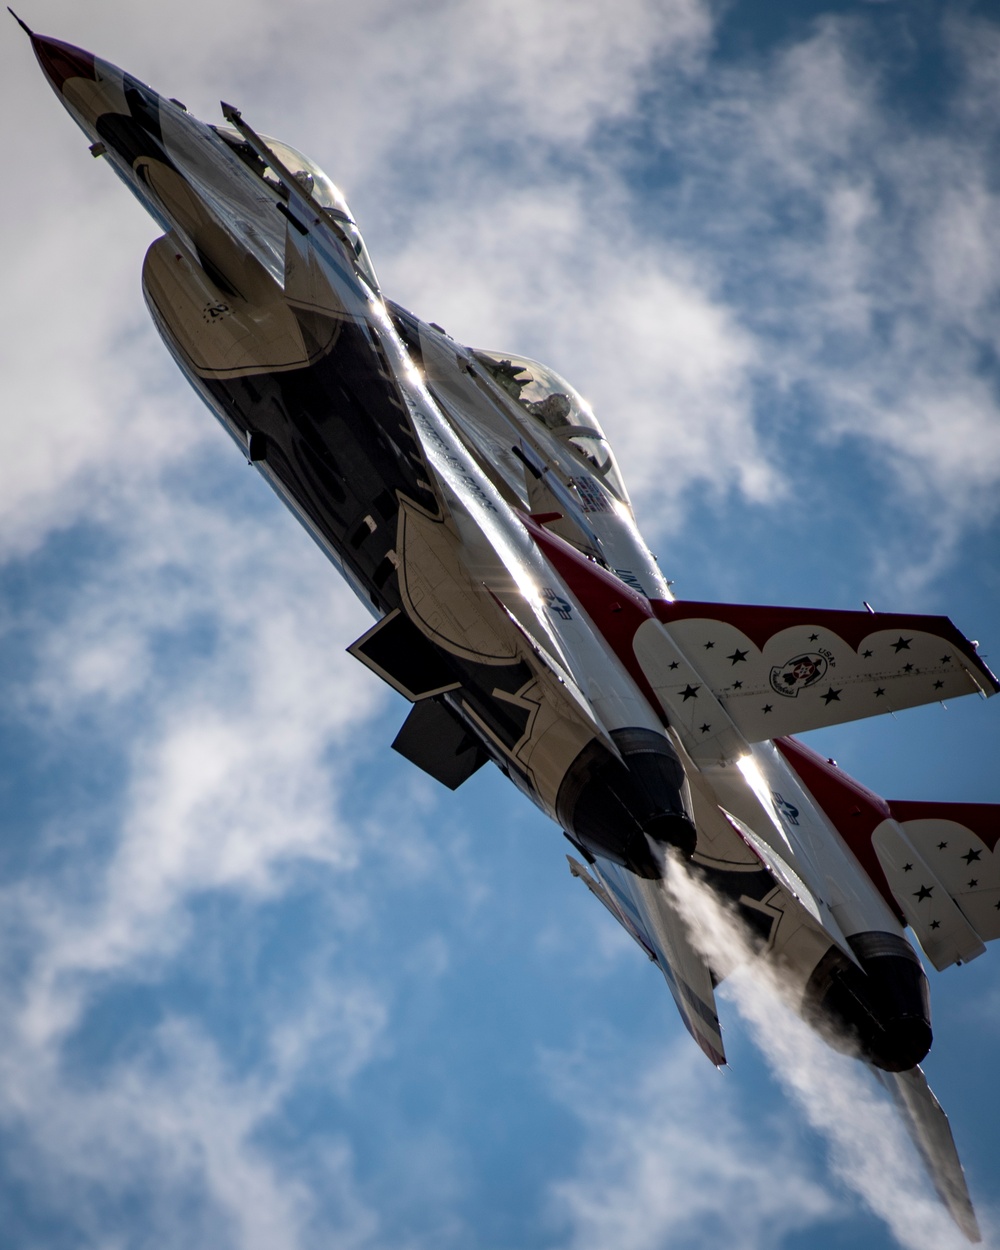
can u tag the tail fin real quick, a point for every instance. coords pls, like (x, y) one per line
(930, 1132)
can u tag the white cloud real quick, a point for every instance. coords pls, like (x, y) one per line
(477, 140)
(82, 380)
(240, 749)
(240, 755)
(862, 251)
(469, 178)
(868, 1147)
(173, 1135)
(817, 238)
(666, 1161)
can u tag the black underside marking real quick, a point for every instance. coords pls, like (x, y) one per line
(385, 505)
(737, 888)
(144, 105)
(332, 431)
(400, 653)
(131, 139)
(433, 738)
(382, 574)
(360, 534)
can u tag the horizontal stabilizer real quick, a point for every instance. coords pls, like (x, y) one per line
(779, 671)
(939, 924)
(958, 842)
(433, 738)
(933, 863)
(930, 1132)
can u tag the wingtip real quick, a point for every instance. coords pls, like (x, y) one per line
(23, 25)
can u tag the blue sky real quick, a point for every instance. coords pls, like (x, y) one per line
(264, 985)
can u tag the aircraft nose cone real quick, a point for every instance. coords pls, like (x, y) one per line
(61, 61)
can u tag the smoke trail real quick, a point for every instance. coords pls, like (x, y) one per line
(868, 1147)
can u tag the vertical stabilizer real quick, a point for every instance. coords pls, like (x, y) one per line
(930, 1131)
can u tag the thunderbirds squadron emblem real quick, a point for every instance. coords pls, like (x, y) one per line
(798, 674)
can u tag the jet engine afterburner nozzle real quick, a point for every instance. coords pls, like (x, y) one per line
(882, 1011)
(629, 812)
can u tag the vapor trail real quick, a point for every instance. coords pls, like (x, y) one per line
(868, 1148)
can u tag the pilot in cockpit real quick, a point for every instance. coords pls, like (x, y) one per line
(554, 410)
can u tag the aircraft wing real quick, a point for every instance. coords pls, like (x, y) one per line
(780, 671)
(930, 1132)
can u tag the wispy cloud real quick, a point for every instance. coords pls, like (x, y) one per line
(667, 1160)
(241, 720)
(813, 237)
(868, 1146)
(574, 181)
(858, 242)
(173, 1135)
(240, 742)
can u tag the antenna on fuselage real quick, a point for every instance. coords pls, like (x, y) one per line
(23, 25)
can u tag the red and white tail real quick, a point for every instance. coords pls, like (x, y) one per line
(934, 863)
(958, 842)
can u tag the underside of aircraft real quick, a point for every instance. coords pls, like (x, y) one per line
(472, 501)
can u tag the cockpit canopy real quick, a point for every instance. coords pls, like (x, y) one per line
(312, 180)
(558, 412)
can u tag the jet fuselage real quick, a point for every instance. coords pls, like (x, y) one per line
(473, 503)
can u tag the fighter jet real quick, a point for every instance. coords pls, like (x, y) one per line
(471, 500)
